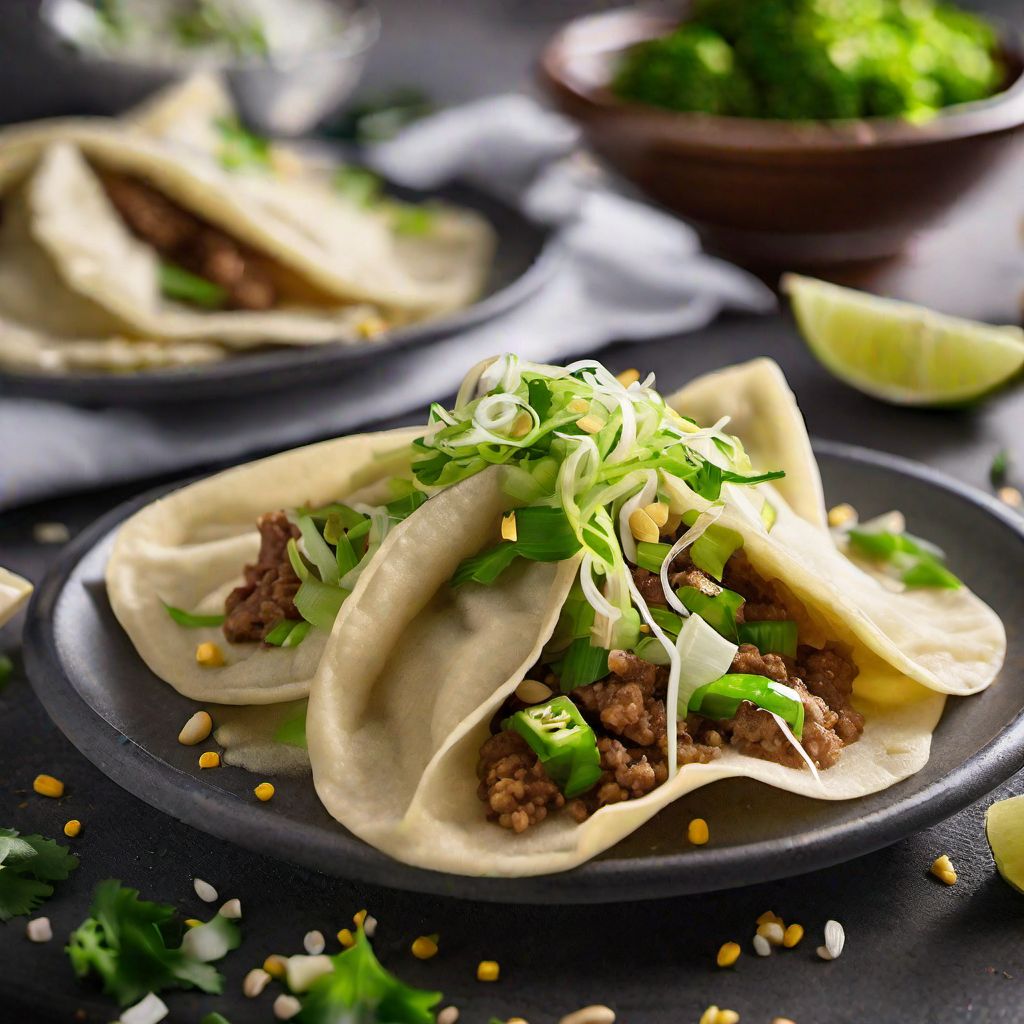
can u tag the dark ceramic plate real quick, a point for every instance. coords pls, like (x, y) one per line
(524, 257)
(122, 718)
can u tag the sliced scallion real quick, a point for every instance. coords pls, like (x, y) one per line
(277, 636)
(650, 555)
(582, 665)
(778, 637)
(714, 547)
(191, 620)
(319, 551)
(719, 611)
(720, 700)
(318, 602)
(179, 284)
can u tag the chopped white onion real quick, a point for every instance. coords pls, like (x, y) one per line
(704, 655)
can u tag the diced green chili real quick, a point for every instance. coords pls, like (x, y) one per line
(190, 620)
(566, 745)
(720, 699)
(770, 637)
(718, 612)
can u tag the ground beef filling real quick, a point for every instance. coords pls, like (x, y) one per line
(268, 594)
(192, 243)
(627, 711)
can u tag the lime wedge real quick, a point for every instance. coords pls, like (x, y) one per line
(900, 352)
(1004, 824)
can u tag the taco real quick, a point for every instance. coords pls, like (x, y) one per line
(609, 605)
(174, 237)
(228, 587)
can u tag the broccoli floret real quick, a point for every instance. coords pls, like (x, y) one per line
(816, 59)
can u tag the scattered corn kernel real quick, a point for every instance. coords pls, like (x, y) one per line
(943, 870)
(644, 628)
(425, 947)
(276, 966)
(508, 527)
(346, 938)
(47, 785)
(792, 936)
(773, 932)
(197, 728)
(1010, 496)
(697, 832)
(580, 405)
(488, 970)
(713, 1015)
(313, 942)
(728, 954)
(371, 327)
(768, 917)
(658, 511)
(709, 1016)
(596, 1014)
(255, 982)
(370, 926)
(39, 930)
(209, 655)
(521, 425)
(204, 890)
(72, 828)
(782, 1020)
(627, 377)
(643, 527)
(193, 922)
(359, 917)
(762, 947)
(590, 424)
(232, 909)
(841, 515)
(264, 791)
(449, 1015)
(286, 1007)
(209, 759)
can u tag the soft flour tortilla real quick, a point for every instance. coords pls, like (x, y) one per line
(189, 550)
(763, 413)
(421, 698)
(341, 262)
(14, 592)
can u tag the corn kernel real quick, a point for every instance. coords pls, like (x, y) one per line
(359, 917)
(209, 655)
(841, 515)
(773, 932)
(487, 970)
(580, 405)
(727, 1017)
(697, 832)
(590, 424)
(264, 791)
(792, 936)
(728, 954)
(371, 327)
(209, 759)
(770, 916)
(196, 729)
(192, 922)
(47, 785)
(275, 966)
(521, 425)
(943, 870)
(658, 511)
(1010, 496)
(346, 938)
(508, 527)
(627, 377)
(643, 527)
(72, 828)
(781, 1020)
(424, 947)
(709, 1016)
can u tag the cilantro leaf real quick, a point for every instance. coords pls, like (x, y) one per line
(360, 991)
(125, 942)
(28, 864)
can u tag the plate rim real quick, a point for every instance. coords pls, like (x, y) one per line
(263, 371)
(609, 880)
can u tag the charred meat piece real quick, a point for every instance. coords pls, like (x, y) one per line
(192, 243)
(268, 594)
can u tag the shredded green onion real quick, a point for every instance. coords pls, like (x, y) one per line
(191, 620)
(179, 284)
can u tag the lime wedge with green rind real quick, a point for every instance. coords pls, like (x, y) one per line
(900, 352)
(1004, 823)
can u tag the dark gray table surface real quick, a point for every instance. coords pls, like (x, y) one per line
(917, 953)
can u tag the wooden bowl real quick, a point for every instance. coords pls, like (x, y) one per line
(780, 194)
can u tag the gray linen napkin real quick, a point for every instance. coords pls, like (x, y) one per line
(627, 272)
